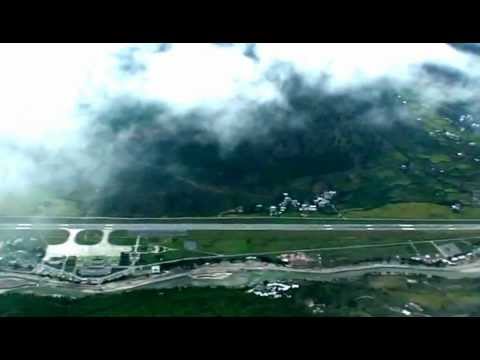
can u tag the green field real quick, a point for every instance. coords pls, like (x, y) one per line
(129, 238)
(51, 237)
(37, 201)
(89, 237)
(151, 258)
(351, 256)
(236, 242)
(363, 163)
(426, 249)
(439, 158)
(414, 211)
(168, 302)
(122, 237)
(370, 295)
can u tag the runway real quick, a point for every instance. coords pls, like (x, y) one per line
(249, 227)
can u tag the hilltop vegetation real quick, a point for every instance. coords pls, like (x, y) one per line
(409, 161)
(407, 155)
(370, 295)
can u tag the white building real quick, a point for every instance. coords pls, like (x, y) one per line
(456, 207)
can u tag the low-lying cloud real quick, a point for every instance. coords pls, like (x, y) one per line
(56, 97)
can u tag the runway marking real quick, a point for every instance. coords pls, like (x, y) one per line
(226, 227)
(23, 227)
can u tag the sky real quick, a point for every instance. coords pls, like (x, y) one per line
(52, 95)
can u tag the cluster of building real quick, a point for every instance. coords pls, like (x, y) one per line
(319, 202)
(466, 117)
(21, 254)
(46, 270)
(452, 136)
(297, 259)
(437, 260)
(316, 308)
(411, 307)
(275, 290)
(90, 274)
(96, 267)
(456, 207)
(469, 120)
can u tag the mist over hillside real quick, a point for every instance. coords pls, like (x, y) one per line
(195, 129)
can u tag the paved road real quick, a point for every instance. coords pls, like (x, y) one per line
(281, 227)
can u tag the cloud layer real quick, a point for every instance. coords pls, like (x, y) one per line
(55, 96)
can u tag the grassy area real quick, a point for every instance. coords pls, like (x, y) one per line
(89, 237)
(464, 246)
(426, 249)
(231, 242)
(129, 238)
(352, 256)
(370, 295)
(122, 237)
(37, 201)
(353, 215)
(51, 237)
(167, 256)
(366, 174)
(414, 210)
(167, 302)
(439, 158)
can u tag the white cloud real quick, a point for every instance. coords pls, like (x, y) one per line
(42, 85)
(355, 64)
